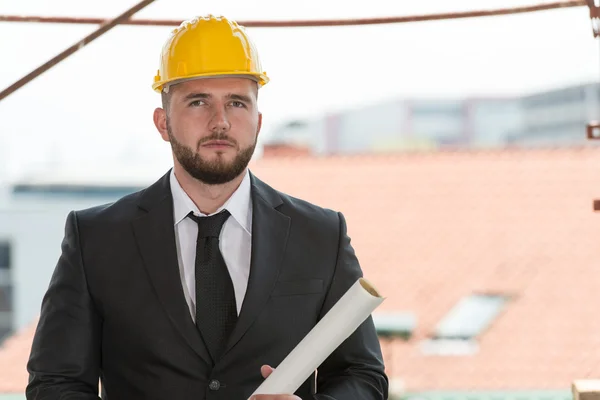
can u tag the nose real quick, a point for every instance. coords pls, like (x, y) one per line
(219, 122)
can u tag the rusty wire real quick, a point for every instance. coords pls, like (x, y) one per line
(75, 47)
(315, 23)
(594, 16)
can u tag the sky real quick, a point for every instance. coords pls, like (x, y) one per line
(93, 111)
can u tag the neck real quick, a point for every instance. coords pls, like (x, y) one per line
(208, 198)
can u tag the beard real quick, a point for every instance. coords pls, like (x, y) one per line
(211, 172)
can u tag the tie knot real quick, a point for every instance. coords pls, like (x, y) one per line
(210, 226)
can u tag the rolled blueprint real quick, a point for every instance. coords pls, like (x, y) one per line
(337, 325)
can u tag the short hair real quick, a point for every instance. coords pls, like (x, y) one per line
(165, 97)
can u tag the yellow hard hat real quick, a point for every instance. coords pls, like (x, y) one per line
(207, 47)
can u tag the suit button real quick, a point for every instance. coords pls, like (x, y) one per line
(214, 385)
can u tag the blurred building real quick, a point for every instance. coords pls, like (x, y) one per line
(550, 118)
(558, 117)
(32, 220)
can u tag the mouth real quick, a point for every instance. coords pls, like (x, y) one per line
(217, 144)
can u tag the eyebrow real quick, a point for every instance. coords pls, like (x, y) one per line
(230, 96)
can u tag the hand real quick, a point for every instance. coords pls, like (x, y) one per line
(265, 371)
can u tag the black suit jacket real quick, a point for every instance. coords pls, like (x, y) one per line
(115, 307)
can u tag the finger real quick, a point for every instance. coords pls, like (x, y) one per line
(266, 370)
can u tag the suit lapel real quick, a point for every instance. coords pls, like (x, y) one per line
(270, 230)
(155, 235)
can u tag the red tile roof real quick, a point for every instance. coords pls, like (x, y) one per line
(13, 359)
(430, 228)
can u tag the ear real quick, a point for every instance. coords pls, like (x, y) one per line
(160, 122)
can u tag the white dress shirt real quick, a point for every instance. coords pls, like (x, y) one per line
(235, 240)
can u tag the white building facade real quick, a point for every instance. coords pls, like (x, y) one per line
(32, 221)
(551, 118)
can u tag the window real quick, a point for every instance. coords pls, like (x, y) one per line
(6, 320)
(5, 258)
(556, 127)
(6, 295)
(4, 334)
(471, 316)
(6, 298)
(555, 97)
(457, 332)
(394, 325)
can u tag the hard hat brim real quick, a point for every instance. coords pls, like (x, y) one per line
(261, 79)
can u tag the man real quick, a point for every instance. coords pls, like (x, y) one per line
(196, 286)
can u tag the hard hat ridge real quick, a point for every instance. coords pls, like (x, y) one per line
(208, 47)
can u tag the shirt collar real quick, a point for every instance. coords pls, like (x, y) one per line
(239, 204)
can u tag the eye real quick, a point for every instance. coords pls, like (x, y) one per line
(238, 104)
(196, 103)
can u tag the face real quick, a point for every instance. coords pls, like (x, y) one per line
(212, 125)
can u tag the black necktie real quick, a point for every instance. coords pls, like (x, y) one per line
(216, 312)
